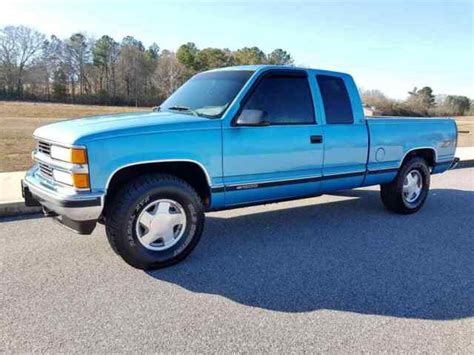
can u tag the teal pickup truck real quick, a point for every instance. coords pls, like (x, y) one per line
(228, 138)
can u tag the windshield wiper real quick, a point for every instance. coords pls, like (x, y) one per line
(184, 108)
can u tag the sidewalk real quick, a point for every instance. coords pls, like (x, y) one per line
(11, 201)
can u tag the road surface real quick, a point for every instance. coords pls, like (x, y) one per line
(332, 274)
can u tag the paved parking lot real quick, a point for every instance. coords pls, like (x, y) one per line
(331, 274)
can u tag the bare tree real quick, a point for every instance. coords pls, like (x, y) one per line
(18, 47)
(105, 54)
(169, 73)
(134, 68)
(78, 50)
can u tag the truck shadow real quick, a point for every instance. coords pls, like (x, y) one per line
(350, 255)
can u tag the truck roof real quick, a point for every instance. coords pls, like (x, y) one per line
(260, 67)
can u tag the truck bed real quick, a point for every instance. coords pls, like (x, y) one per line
(392, 138)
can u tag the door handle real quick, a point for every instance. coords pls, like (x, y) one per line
(316, 139)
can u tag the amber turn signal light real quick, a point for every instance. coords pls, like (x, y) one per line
(81, 181)
(78, 156)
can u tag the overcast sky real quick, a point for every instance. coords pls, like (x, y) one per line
(387, 45)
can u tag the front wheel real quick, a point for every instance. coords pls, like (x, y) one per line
(408, 192)
(155, 221)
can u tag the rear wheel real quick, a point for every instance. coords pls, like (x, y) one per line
(408, 192)
(155, 221)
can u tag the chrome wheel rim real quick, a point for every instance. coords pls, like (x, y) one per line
(161, 224)
(412, 186)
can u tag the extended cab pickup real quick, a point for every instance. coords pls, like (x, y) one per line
(228, 138)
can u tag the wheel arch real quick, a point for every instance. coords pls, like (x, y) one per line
(191, 171)
(427, 153)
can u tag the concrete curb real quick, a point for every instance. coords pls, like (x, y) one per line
(465, 164)
(16, 208)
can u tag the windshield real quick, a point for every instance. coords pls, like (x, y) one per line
(207, 94)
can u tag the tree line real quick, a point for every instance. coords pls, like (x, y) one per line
(83, 69)
(420, 102)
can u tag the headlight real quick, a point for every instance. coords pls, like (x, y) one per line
(71, 155)
(63, 177)
(78, 180)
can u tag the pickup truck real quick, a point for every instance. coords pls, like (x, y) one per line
(228, 138)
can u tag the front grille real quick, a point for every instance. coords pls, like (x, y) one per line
(44, 147)
(45, 170)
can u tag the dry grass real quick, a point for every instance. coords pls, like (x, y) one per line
(466, 131)
(57, 111)
(18, 120)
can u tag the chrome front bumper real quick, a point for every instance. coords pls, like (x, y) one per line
(76, 210)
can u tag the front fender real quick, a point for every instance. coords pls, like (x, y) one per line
(203, 147)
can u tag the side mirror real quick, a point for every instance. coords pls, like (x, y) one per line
(252, 118)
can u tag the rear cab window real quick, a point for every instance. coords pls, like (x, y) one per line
(336, 101)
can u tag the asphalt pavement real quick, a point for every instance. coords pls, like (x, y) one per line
(332, 274)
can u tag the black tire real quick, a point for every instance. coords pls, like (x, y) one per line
(392, 193)
(132, 199)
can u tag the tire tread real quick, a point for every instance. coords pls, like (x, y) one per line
(121, 203)
(391, 192)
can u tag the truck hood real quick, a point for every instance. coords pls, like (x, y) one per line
(79, 131)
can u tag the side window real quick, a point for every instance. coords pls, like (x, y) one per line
(285, 99)
(337, 104)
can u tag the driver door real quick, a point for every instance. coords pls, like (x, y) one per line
(281, 158)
